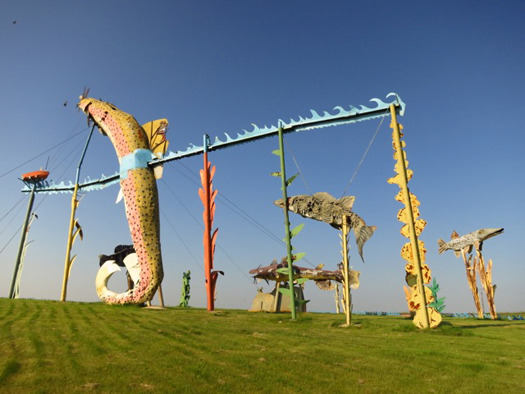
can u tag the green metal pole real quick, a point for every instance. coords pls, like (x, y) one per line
(287, 224)
(22, 241)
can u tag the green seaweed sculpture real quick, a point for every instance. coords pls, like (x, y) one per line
(185, 293)
(438, 303)
(290, 256)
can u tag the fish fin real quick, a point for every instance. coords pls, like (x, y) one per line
(468, 249)
(347, 202)
(156, 133)
(363, 234)
(457, 253)
(454, 235)
(442, 246)
(157, 171)
(325, 285)
(120, 195)
(324, 196)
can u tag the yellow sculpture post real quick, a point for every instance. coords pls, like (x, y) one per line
(418, 273)
(72, 235)
(485, 277)
(346, 268)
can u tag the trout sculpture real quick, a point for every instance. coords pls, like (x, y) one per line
(325, 208)
(467, 241)
(135, 147)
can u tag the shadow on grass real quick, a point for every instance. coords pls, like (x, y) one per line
(10, 368)
(485, 325)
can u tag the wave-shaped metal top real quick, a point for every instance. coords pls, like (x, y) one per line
(314, 121)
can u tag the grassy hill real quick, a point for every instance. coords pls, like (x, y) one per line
(48, 347)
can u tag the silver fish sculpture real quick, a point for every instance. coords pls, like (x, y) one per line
(326, 208)
(468, 241)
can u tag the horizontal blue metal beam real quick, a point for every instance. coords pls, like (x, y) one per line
(314, 121)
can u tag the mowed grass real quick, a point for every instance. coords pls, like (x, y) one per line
(48, 347)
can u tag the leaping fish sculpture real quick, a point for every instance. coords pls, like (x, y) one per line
(325, 208)
(135, 146)
(468, 241)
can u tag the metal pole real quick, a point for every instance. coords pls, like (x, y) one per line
(346, 284)
(22, 241)
(207, 231)
(70, 235)
(287, 224)
(408, 204)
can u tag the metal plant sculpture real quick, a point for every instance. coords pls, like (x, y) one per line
(185, 291)
(207, 196)
(417, 272)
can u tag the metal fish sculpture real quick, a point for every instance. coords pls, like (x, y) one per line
(467, 241)
(321, 277)
(133, 146)
(325, 208)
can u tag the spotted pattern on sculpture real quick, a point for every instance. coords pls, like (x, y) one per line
(139, 188)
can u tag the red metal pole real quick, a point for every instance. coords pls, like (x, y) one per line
(207, 196)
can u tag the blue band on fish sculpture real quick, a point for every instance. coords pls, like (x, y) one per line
(138, 159)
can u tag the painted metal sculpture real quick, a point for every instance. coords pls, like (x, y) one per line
(112, 264)
(316, 120)
(207, 196)
(321, 277)
(325, 208)
(279, 300)
(468, 241)
(119, 257)
(463, 246)
(420, 299)
(134, 148)
(185, 291)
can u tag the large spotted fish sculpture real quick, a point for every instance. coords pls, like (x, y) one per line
(135, 146)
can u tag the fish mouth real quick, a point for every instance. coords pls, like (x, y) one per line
(279, 203)
(493, 232)
(84, 104)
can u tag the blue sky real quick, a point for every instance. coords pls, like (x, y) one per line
(215, 67)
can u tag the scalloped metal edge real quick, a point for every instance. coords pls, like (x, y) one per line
(314, 121)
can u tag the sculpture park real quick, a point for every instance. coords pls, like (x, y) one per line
(177, 217)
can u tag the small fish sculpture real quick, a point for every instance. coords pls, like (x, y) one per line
(468, 241)
(326, 208)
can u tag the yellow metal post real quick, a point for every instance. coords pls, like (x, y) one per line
(72, 222)
(408, 205)
(161, 297)
(70, 238)
(346, 284)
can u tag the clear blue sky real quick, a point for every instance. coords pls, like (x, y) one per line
(219, 66)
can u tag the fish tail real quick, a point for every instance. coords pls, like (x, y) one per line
(442, 246)
(140, 196)
(363, 234)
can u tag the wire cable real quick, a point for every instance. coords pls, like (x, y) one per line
(364, 155)
(182, 241)
(40, 154)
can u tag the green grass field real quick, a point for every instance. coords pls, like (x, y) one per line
(48, 347)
